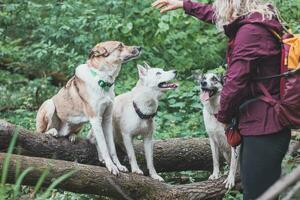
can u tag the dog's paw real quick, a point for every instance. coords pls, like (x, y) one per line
(101, 160)
(229, 182)
(214, 176)
(72, 138)
(53, 132)
(157, 177)
(137, 171)
(112, 168)
(122, 168)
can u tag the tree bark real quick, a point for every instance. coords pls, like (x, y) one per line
(96, 180)
(169, 155)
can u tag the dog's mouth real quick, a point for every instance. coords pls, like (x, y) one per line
(207, 93)
(131, 57)
(167, 85)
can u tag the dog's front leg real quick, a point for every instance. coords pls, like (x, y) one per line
(96, 123)
(108, 132)
(148, 146)
(230, 181)
(215, 157)
(127, 139)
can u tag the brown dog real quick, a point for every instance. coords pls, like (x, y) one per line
(88, 97)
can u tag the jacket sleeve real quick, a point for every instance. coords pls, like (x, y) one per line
(248, 48)
(199, 10)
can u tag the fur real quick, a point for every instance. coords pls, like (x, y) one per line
(127, 124)
(82, 100)
(211, 86)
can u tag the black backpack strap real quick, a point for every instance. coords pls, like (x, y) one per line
(285, 74)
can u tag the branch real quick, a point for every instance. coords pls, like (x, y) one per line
(96, 180)
(281, 185)
(169, 155)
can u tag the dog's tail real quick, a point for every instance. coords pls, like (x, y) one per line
(44, 116)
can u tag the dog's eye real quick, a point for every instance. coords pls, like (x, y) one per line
(158, 73)
(214, 79)
(120, 46)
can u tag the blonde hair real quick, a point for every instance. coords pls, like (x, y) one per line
(228, 10)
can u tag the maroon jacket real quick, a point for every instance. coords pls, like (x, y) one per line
(253, 51)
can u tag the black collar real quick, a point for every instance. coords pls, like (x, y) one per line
(140, 114)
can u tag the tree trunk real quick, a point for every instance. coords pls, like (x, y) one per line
(96, 180)
(169, 155)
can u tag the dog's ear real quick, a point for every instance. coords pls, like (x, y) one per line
(142, 71)
(146, 65)
(97, 52)
(198, 76)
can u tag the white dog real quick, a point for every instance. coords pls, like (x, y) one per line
(88, 97)
(134, 112)
(211, 86)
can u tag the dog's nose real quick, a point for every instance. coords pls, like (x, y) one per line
(203, 83)
(175, 72)
(139, 48)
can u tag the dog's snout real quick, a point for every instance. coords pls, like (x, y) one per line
(136, 50)
(203, 83)
(175, 72)
(139, 48)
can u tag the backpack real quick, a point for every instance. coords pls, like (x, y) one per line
(288, 107)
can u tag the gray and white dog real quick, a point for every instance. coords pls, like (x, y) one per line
(210, 89)
(134, 111)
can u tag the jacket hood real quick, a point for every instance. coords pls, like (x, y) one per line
(253, 18)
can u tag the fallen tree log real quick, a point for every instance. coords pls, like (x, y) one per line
(96, 180)
(169, 155)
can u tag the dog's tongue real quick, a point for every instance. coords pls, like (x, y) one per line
(204, 96)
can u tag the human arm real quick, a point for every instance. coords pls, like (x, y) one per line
(249, 47)
(199, 10)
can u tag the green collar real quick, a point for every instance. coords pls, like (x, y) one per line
(103, 84)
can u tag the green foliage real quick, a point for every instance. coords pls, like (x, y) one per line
(39, 38)
(40, 182)
(289, 12)
(56, 182)
(18, 183)
(233, 195)
(7, 158)
(44, 37)
(13, 192)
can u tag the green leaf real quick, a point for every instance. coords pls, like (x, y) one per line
(7, 158)
(19, 181)
(40, 181)
(55, 183)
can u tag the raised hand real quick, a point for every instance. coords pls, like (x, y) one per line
(167, 5)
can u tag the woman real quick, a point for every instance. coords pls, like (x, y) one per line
(253, 51)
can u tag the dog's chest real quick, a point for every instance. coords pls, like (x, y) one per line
(100, 98)
(212, 125)
(215, 129)
(137, 126)
(97, 103)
